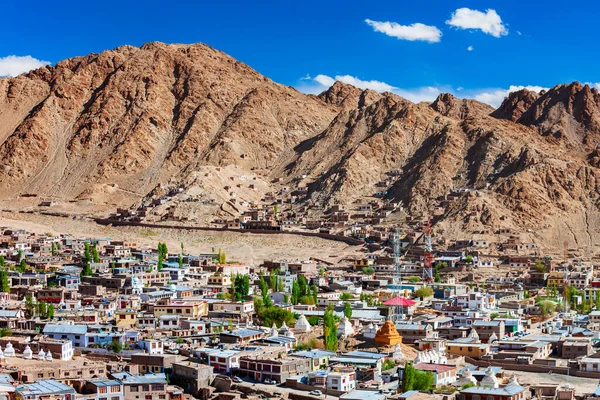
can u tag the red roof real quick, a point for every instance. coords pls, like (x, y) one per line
(400, 301)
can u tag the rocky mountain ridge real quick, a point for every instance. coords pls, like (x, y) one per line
(109, 127)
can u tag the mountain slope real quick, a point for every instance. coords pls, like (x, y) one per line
(116, 126)
(139, 116)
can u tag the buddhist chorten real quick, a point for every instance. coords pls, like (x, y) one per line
(388, 334)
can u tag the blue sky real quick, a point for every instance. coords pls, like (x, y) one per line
(476, 49)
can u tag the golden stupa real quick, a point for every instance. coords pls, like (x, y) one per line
(388, 334)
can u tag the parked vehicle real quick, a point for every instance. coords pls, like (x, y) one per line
(315, 392)
(237, 379)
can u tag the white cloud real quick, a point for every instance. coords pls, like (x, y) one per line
(416, 31)
(470, 48)
(373, 85)
(495, 97)
(16, 65)
(488, 22)
(322, 82)
(306, 78)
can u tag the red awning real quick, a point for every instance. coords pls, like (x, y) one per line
(400, 301)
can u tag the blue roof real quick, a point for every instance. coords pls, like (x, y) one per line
(45, 387)
(365, 354)
(65, 329)
(127, 378)
(243, 333)
(353, 360)
(314, 353)
(510, 390)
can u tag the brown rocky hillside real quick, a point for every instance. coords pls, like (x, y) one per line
(131, 118)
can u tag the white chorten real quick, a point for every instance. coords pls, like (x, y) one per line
(27, 353)
(490, 380)
(465, 378)
(9, 351)
(345, 328)
(493, 338)
(48, 356)
(274, 332)
(370, 331)
(302, 325)
(397, 354)
(41, 355)
(474, 335)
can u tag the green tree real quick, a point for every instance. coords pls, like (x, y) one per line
(408, 377)
(330, 330)
(387, 364)
(273, 281)
(50, 312)
(423, 380)
(547, 307)
(493, 316)
(368, 270)
(4, 285)
(308, 300)
(423, 292)
(87, 270)
(469, 259)
(264, 288)
(182, 248)
(295, 292)
(52, 249)
(346, 296)
(22, 267)
(315, 293)
(87, 258)
(116, 347)
(540, 266)
(2, 262)
(222, 257)
(348, 310)
(414, 279)
(95, 255)
(42, 309)
(180, 260)
(29, 306)
(321, 271)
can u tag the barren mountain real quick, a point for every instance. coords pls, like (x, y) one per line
(110, 127)
(139, 116)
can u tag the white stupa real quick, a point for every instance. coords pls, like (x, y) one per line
(302, 325)
(493, 338)
(513, 380)
(41, 355)
(284, 329)
(9, 351)
(345, 328)
(397, 354)
(274, 332)
(465, 378)
(48, 356)
(370, 331)
(490, 380)
(1, 353)
(474, 335)
(27, 353)
(290, 334)
(137, 285)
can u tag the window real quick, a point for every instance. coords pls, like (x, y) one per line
(115, 389)
(102, 390)
(133, 388)
(158, 386)
(145, 388)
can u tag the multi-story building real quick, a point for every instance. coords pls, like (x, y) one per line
(485, 329)
(277, 369)
(185, 309)
(341, 381)
(45, 389)
(476, 301)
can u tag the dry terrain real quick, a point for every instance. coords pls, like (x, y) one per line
(110, 129)
(245, 247)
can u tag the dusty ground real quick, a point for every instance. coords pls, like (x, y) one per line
(583, 385)
(245, 247)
